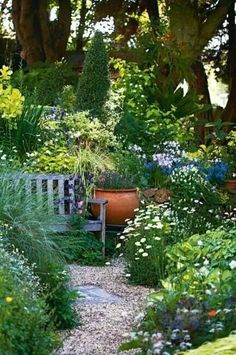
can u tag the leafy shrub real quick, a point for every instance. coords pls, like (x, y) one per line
(45, 82)
(201, 253)
(196, 205)
(67, 98)
(87, 132)
(51, 158)
(11, 99)
(77, 144)
(198, 301)
(26, 227)
(147, 120)
(144, 241)
(175, 321)
(94, 82)
(80, 247)
(24, 323)
(23, 137)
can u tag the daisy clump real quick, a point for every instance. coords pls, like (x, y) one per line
(143, 243)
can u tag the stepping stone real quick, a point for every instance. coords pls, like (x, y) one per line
(96, 295)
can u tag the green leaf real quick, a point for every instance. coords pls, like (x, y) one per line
(133, 344)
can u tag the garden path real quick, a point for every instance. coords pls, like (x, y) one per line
(106, 314)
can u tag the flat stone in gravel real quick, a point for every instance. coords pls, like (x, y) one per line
(95, 295)
(103, 326)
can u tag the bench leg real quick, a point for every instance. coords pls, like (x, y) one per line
(103, 228)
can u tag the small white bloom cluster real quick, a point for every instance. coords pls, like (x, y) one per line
(232, 264)
(146, 228)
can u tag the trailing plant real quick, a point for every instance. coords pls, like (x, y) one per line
(25, 325)
(94, 82)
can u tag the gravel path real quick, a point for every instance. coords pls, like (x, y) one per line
(103, 326)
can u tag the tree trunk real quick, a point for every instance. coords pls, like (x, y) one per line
(81, 28)
(27, 26)
(190, 32)
(229, 113)
(41, 39)
(200, 85)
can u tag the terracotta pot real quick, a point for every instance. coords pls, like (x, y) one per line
(230, 185)
(121, 204)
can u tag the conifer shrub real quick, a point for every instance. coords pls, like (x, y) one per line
(94, 82)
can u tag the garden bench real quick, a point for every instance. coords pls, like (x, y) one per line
(57, 193)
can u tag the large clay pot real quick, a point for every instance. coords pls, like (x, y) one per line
(230, 185)
(121, 204)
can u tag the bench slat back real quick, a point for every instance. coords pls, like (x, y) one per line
(57, 189)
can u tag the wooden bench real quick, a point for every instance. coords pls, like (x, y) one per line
(59, 192)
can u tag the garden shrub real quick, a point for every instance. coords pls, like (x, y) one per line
(20, 121)
(202, 253)
(143, 243)
(196, 205)
(25, 326)
(187, 312)
(45, 83)
(51, 158)
(11, 98)
(67, 99)
(94, 82)
(80, 247)
(26, 227)
(197, 302)
(88, 132)
(76, 144)
(146, 121)
(26, 135)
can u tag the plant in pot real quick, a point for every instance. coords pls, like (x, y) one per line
(122, 196)
(230, 182)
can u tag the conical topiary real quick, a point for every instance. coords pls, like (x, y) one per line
(94, 82)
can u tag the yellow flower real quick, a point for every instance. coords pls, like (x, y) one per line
(186, 277)
(5, 73)
(8, 299)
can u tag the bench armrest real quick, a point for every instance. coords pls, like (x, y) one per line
(98, 201)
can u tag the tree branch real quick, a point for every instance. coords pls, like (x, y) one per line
(214, 19)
